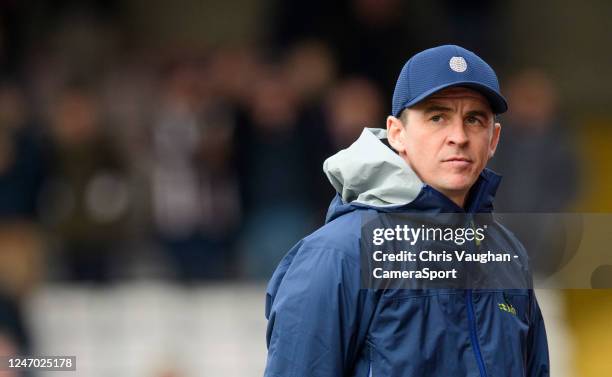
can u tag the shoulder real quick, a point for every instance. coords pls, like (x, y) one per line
(326, 260)
(332, 250)
(341, 234)
(505, 234)
(507, 240)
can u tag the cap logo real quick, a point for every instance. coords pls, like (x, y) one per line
(457, 64)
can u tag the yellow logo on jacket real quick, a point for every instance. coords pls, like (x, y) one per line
(507, 308)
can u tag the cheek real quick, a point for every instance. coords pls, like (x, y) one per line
(483, 148)
(421, 154)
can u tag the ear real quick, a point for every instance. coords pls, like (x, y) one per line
(494, 139)
(395, 133)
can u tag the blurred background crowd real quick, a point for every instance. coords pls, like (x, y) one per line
(182, 142)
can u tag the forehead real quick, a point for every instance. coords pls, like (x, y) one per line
(457, 93)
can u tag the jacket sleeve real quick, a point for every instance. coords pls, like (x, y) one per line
(538, 364)
(317, 315)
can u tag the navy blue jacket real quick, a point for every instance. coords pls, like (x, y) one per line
(322, 323)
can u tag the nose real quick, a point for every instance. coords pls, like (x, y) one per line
(457, 135)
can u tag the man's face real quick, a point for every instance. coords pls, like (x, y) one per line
(447, 139)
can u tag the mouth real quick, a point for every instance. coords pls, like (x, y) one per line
(457, 158)
(458, 161)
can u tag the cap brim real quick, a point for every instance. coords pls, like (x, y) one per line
(497, 101)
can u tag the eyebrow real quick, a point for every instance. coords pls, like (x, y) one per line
(436, 108)
(480, 113)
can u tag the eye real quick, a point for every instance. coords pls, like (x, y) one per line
(436, 118)
(472, 120)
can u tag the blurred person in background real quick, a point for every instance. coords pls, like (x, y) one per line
(86, 198)
(535, 125)
(348, 105)
(311, 73)
(22, 163)
(196, 202)
(309, 70)
(272, 159)
(231, 73)
(370, 40)
(21, 271)
(539, 157)
(351, 104)
(22, 171)
(8, 348)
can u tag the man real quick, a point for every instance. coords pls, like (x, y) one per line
(321, 320)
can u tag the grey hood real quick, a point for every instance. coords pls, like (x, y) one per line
(369, 172)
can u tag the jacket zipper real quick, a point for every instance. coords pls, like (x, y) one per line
(468, 297)
(472, 320)
(473, 335)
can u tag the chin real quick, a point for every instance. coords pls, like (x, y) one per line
(460, 183)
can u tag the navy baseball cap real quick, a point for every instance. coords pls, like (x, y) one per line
(441, 67)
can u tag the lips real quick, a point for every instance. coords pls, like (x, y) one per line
(457, 159)
(458, 162)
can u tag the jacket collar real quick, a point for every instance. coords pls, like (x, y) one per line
(480, 200)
